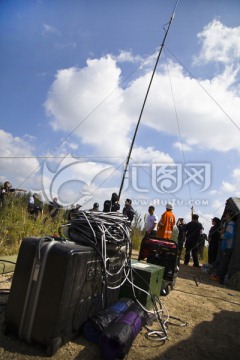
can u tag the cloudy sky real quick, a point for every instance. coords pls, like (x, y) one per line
(74, 76)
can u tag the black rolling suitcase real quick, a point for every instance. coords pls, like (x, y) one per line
(110, 234)
(56, 286)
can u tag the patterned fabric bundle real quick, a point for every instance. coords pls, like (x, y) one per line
(96, 325)
(118, 337)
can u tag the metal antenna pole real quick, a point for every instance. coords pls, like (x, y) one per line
(145, 99)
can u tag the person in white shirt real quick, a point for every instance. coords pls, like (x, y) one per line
(34, 207)
(151, 222)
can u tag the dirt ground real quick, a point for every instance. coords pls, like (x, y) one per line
(211, 312)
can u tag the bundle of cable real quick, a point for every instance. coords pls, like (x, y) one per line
(118, 337)
(95, 326)
(96, 227)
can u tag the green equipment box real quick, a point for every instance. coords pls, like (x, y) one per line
(147, 279)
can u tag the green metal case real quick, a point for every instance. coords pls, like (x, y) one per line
(147, 279)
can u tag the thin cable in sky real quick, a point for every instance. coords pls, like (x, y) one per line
(198, 82)
(177, 118)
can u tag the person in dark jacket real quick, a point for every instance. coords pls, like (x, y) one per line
(115, 206)
(53, 208)
(128, 210)
(112, 205)
(7, 189)
(95, 207)
(192, 233)
(181, 229)
(214, 240)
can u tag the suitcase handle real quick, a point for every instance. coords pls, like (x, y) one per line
(40, 244)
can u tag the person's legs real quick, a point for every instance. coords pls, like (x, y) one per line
(212, 253)
(195, 256)
(187, 254)
(180, 247)
(223, 266)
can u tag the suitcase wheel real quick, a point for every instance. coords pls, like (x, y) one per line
(172, 285)
(166, 290)
(54, 346)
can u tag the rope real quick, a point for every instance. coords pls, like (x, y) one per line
(177, 118)
(198, 82)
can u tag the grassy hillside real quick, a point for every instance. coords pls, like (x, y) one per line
(16, 223)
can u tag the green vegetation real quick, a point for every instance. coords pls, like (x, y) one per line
(16, 224)
(138, 232)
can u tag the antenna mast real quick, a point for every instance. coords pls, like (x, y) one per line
(145, 99)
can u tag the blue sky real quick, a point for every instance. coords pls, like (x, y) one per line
(73, 79)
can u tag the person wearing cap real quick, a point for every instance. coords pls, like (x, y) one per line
(128, 210)
(214, 240)
(166, 223)
(95, 207)
(192, 233)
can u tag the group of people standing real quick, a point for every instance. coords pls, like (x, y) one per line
(188, 234)
(111, 205)
(221, 237)
(162, 228)
(34, 206)
(221, 245)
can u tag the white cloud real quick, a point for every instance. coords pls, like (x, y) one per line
(182, 147)
(198, 116)
(127, 56)
(16, 162)
(48, 29)
(234, 186)
(149, 154)
(75, 180)
(90, 104)
(30, 138)
(228, 187)
(219, 43)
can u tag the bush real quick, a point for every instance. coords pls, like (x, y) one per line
(16, 224)
(137, 232)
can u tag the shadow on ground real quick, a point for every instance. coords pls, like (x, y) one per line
(200, 344)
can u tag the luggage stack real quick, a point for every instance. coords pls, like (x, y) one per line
(59, 283)
(164, 253)
(109, 234)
